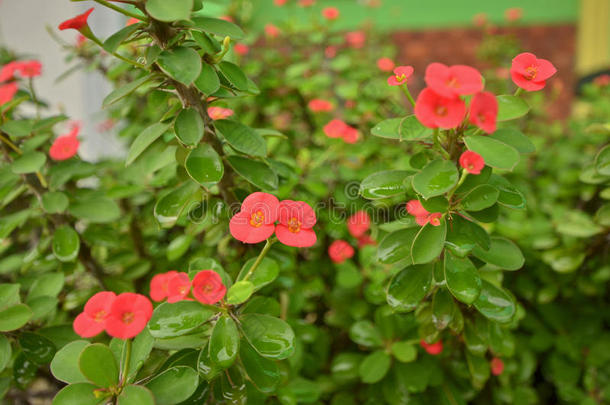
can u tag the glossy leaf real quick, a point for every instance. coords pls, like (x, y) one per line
(54, 202)
(112, 43)
(29, 162)
(143, 141)
(136, 395)
(495, 303)
(14, 317)
(396, 246)
(180, 63)
(404, 351)
(436, 178)
(256, 172)
(207, 82)
(98, 210)
(271, 337)
(404, 129)
(241, 137)
(239, 292)
(495, 153)
(169, 11)
(365, 333)
(384, 184)
(189, 127)
(177, 319)
(64, 365)
(428, 243)
(37, 348)
(219, 27)
(5, 352)
(77, 394)
(511, 107)
(224, 342)
(602, 161)
(66, 243)
(408, 287)
(264, 373)
(204, 165)
(514, 138)
(123, 91)
(266, 272)
(234, 75)
(480, 197)
(502, 253)
(97, 363)
(170, 205)
(463, 280)
(374, 367)
(174, 385)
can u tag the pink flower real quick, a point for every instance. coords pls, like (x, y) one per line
(255, 221)
(602, 80)
(484, 111)
(80, 40)
(178, 287)
(7, 92)
(296, 220)
(436, 111)
(132, 21)
(28, 68)
(358, 223)
(208, 287)
(159, 285)
(480, 19)
(241, 49)
(92, 320)
(7, 71)
(472, 162)
(65, 146)
(319, 105)
(330, 13)
(513, 14)
(339, 129)
(422, 216)
(365, 240)
(355, 39)
(272, 31)
(128, 316)
(339, 251)
(307, 3)
(400, 76)
(279, 3)
(531, 73)
(219, 113)
(453, 81)
(385, 64)
(330, 51)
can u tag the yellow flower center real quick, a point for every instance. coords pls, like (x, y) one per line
(127, 317)
(294, 225)
(532, 71)
(257, 219)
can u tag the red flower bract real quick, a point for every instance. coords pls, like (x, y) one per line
(219, 113)
(385, 64)
(422, 216)
(497, 366)
(28, 68)
(484, 111)
(129, 315)
(272, 31)
(7, 71)
(7, 92)
(319, 105)
(472, 162)
(92, 320)
(432, 348)
(358, 223)
(255, 222)
(330, 13)
(453, 81)
(339, 129)
(178, 287)
(531, 73)
(436, 111)
(159, 285)
(339, 251)
(296, 218)
(355, 39)
(77, 22)
(208, 287)
(365, 240)
(65, 146)
(401, 75)
(241, 49)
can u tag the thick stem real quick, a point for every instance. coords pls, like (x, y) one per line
(259, 259)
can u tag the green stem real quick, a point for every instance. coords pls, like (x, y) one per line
(127, 359)
(122, 10)
(518, 91)
(34, 98)
(260, 257)
(438, 145)
(10, 144)
(405, 90)
(459, 183)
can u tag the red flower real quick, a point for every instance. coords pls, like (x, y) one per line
(330, 51)
(241, 49)
(255, 221)
(531, 73)
(307, 3)
(7, 71)
(159, 285)
(272, 31)
(339, 129)
(339, 251)
(65, 146)
(129, 315)
(219, 113)
(433, 348)
(28, 68)
(385, 64)
(350, 135)
(178, 287)
(330, 13)
(480, 19)
(453, 81)
(513, 14)
(497, 366)
(400, 76)
(92, 320)
(319, 105)
(7, 92)
(296, 218)
(355, 39)
(422, 216)
(435, 111)
(77, 22)
(365, 240)
(208, 287)
(484, 111)
(358, 223)
(472, 162)
(227, 18)
(132, 21)
(279, 3)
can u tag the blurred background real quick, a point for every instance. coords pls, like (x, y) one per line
(574, 34)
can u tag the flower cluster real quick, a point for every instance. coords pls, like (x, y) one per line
(207, 287)
(25, 69)
(259, 212)
(358, 224)
(123, 316)
(339, 129)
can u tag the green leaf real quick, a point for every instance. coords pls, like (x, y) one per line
(480, 197)
(77, 394)
(169, 11)
(5, 352)
(174, 385)
(495, 153)
(479, 369)
(123, 91)
(204, 165)
(404, 129)
(98, 210)
(509, 195)
(242, 138)
(514, 138)
(602, 161)
(443, 308)
(136, 395)
(207, 82)
(177, 319)
(170, 205)
(408, 287)
(64, 365)
(112, 43)
(428, 243)
(189, 127)
(205, 366)
(264, 373)
(256, 172)
(365, 334)
(435, 204)
(180, 63)
(219, 27)
(66, 243)
(502, 253)
(396, 246)
(462, 278)
(271, 337)
(14, 317)
(144, 140)
(224, 342)
(384, 184)
(29, 162)
(240, 292)
(54, 202)
(266, 272)
(49, 284)
(475, 336)
(404, 351)
(37, 348)
(234, 75)
(511, 107)
(9, 295)
(97, 363)
(436, 178)
(495, 303)
(374, 367)
(18, 128)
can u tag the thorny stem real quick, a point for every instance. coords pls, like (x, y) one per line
(260, 257)
(438, 145)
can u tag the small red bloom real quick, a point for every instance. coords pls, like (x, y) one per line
(365, 240)
(339, 251)
(330, 51)
(307, 3)
(159, 285)
(208, 287)
(385, 64)
(241, 49)
(272, 31)
(335, 128)
(350, 135)
(453, 81)
(132, 21)
(400, 76)
(355, 39)
(28, 68)
(472, 162)
(497, 366)
(255, 222)
(435, 111)
(358, 223)
(92, 320)
(422, 216)
(178, 287)
(7, 92)
(227, 18)
(434, 348)
(531, 73)
(330, 13)
(219, 113)
(279, 3)
(296, 218)
(65, 146)
(129, 315)
(77, 22)
(513, 14)
(319, 105)
(484, 111)
(7, 71)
